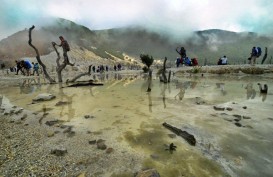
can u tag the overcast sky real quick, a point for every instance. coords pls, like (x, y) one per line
(172, 16)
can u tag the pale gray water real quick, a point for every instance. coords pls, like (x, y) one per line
(133, 117)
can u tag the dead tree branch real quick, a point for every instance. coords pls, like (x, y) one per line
(38, 57)
(81, 75)
(265, 56)
(60, 67)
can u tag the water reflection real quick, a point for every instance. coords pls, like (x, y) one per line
(66, 101)
(250, 91)
(221, 86)
(125, 97)
(30, 85)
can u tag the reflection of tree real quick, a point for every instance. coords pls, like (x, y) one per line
(250, 92)
(163, 93)
(68, 101)
(180, 94)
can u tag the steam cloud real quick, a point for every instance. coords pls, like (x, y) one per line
(175, 17)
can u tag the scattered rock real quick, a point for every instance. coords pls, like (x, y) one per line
(246, 117)
(219, 108)
(44, 97)
(92, 142)
(148, 173)
(24, 117)
(229, 109)
(101, 146)
(50, 133)
(109, 150)
(270, 118)
(52, 122)
(238, 124)
(87, 116)
(58, 152)
(244, 107)
(237, 120)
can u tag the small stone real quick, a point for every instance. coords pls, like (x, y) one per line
(58, 152)
(244, 107)
(238, 124)
(246, 117)
(92, 142)
(237, 120)
(229, 109)
(219, 108)
(101, 146)
(109, 150)
(87, 116)
(50, 134)
(24, 117)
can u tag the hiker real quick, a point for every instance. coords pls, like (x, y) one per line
(182, 53)
(66, 48)
(224, 60)
(19, 67)
(194, 62)
(27, 65)
(253, 55)
(177, 62)
(35, 68)
(187, 61)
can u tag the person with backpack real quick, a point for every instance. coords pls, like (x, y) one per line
(35, 68)
(255, 53)
(66, 48)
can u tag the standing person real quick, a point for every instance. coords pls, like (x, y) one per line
(182, 53)
(19, 67)
(66, 48)
(35, 68)
(224, 60)
(253, 56)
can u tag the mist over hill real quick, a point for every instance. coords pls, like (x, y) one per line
(206, 45)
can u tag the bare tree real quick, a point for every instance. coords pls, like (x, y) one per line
(265, 56)
(38, 57)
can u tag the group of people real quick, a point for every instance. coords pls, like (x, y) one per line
(25, 67)
(184, 59)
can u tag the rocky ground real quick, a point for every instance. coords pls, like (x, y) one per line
(32, 147)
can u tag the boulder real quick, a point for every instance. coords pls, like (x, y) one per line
(44, 97)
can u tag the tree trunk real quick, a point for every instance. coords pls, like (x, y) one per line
(60, 67)
(82, 74)
(38, 57)
(164, 71)
(265, 56)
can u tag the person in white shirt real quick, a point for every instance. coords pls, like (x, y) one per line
(224, 60)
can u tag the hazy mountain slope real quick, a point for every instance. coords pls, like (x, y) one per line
(208, 44)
